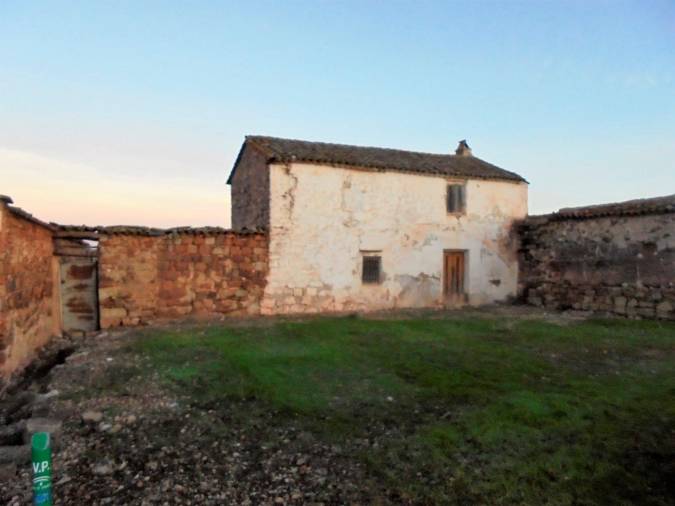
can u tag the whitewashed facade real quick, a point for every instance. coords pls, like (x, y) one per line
(325, 219)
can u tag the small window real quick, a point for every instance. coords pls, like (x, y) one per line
(456, 198)
(371, 269)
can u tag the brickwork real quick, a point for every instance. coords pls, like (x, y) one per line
(618, 264)
(143, 279)
(28, 299)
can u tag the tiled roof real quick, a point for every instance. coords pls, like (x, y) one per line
(149, 231)
(290, 150)
(655, 205)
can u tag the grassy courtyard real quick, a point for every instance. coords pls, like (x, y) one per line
(450, 409)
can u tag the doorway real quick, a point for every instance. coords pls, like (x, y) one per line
(454, 267)
(79, 294)
(77, 253)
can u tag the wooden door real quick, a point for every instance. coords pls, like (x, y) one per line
(79, 297)
(454, 275)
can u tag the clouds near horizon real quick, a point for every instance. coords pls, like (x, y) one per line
(69, 192)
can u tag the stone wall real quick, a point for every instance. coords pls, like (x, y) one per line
(611, 259)
(195, 273)
(250, 186)
(29, 307)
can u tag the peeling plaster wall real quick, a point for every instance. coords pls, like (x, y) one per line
(323, 218)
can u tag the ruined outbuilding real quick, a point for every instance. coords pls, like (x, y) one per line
(617, 258)
(360, 228)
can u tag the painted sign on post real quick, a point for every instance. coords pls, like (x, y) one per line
(41, 450)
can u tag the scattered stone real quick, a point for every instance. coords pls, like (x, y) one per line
(45, 397)
(40, 410)
(13, 433)
(65, 479)
(77, 358)
(92, 416)
(14, 454)
(16, 403)
(103, 468)
(7, 471)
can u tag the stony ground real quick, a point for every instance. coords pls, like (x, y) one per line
(127, 440)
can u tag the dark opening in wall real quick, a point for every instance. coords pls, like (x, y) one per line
(372, 268)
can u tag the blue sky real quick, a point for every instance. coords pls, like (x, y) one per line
(133, 112)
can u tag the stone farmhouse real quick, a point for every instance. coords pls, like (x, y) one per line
(362, 228)
(327, 228)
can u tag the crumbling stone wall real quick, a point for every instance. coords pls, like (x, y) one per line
(200, 273)
(29, 313)
(622, 264)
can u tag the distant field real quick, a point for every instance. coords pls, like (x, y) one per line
(456, 409)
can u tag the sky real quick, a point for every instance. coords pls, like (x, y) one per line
(131, 112)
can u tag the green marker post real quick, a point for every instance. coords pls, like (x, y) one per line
(41, 449)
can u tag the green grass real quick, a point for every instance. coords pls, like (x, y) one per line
(464, 410)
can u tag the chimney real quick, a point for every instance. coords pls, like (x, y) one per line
(463, 149)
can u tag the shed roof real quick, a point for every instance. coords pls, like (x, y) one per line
(654, 205)
(323, 153)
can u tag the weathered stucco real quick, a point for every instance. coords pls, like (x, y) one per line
(323, 219)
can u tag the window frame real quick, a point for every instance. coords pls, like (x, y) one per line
(462, 198)
(370, 256)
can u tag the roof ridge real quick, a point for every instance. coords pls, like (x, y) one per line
(651, 205)
(360, 146)
(660, 200)
(284, 150)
